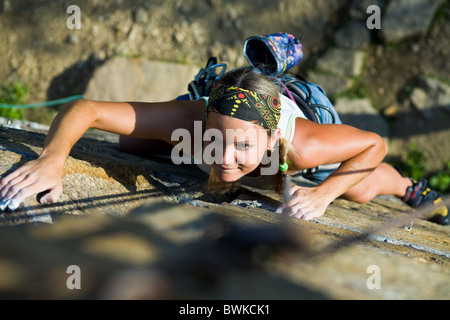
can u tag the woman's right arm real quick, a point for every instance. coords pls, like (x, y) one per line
(43, 176)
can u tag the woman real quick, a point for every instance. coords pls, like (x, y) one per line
(243, 100)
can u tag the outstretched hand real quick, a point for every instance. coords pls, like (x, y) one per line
(42, 176)
(305, 203)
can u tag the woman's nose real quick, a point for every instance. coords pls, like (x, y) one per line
(229, 155)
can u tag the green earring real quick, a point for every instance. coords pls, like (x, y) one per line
(284, 167)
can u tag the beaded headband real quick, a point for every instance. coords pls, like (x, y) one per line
(259, 109)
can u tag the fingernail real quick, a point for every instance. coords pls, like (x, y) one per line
(13, 204)
(279, 210)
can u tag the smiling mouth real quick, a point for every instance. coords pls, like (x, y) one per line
(224, 168)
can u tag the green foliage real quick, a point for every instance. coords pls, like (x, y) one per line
(13, 93)
(442, 13)
(415, 167)
(441, 180)
(357, 91)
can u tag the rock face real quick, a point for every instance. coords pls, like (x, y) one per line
(360, 113)
(136, 228)
(122, 79)
(402, 20)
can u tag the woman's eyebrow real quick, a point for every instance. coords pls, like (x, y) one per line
(251, 142)
(246, 139)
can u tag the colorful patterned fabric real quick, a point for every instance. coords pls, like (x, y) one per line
(275, 53)
(259, 109)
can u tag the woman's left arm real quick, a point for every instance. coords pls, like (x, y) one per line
(358, 151)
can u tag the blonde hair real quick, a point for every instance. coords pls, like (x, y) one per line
(254, 80)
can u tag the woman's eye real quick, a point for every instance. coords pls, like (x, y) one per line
(242, 146)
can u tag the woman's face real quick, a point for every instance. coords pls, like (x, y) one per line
(237, 146)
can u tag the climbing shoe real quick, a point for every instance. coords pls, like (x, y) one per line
(420, 195)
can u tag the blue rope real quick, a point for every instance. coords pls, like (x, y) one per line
(40, 104)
